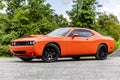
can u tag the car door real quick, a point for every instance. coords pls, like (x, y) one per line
(81, 44)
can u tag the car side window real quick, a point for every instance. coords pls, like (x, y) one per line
(81, 33)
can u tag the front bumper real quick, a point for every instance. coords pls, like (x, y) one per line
(24, 51)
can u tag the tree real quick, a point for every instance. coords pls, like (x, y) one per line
(61, 21)
(2, 5)
(30, 17)
(12, 5)
(108, 25)
(83, 13)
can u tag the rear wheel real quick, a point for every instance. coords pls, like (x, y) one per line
(26, 59)
(51, 53)
(76, 57)
(102, 52)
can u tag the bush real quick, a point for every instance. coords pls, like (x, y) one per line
(117, 44)
(4, 51)
(4, 44)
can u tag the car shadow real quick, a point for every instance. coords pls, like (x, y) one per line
(71, 60)
(59, 60)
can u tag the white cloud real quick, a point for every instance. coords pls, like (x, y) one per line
(67, 17)
(104, 9)
(3, 11)
(66, 1)
(114, 10)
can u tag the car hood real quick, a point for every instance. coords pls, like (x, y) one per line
(30, 38)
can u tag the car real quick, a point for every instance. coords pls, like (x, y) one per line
(63, 42)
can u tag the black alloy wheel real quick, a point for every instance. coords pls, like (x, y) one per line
(51, 53)
(102, 52)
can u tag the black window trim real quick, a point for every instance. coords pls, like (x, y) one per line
(82, 36)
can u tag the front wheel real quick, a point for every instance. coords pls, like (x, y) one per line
(51, 53)
(102, 52)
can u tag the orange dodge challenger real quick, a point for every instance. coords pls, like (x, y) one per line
(63, 42)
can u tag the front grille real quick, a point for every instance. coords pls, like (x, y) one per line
(22, 43)
(19, 52)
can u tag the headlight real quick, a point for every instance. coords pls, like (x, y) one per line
(13, 43)
(31, 43)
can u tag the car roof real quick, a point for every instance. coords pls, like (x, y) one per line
(78, 28)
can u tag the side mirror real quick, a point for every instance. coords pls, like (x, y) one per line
(75, 35)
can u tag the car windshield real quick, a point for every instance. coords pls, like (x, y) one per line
(59, 32)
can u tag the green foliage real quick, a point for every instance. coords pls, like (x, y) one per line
(2, 5)
(117, 44)
(4, 51)
(109, 25)
(5, 40)
(61, 21)
(83, 13)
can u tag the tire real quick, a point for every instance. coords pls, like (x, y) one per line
(102, 52)
(76, 57)
(26, 59)
(51, 53)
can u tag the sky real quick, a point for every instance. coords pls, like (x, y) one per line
(61, 6)
(108, 6)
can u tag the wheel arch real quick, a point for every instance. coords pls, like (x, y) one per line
(104, 44)
(103, 55)
(53, 43)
